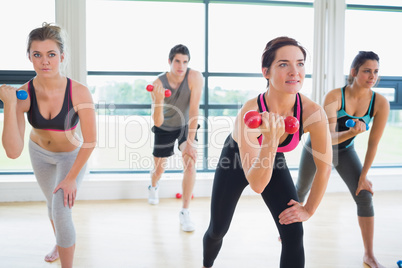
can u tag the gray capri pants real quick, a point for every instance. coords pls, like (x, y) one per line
(349, 167)
(50, 168)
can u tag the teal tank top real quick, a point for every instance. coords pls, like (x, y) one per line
(342, 117)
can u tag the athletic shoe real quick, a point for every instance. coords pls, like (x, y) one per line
(186, 224)
(153, 196)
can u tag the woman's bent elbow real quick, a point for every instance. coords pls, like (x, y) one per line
(326, 171)
(13, 155)
(13, 149)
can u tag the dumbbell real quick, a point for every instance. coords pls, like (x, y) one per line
(253, 120)
(350, 123)
(22, 94)
(168, 93)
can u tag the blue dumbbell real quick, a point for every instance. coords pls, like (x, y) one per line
(399, 263)
(22, 94)
(350, 123)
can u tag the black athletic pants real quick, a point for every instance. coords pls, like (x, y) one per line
(229, 183)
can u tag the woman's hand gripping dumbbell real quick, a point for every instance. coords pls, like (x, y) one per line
(253, 120)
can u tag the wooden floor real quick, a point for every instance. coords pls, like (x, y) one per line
(131, 233)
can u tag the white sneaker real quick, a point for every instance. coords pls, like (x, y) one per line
(153, 196)
(186, 224)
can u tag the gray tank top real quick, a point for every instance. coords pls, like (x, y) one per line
(176, 107)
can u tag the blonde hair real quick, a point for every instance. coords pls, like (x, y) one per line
(49, 32)
(46, 32)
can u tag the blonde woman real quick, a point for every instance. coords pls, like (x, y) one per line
(54, 107)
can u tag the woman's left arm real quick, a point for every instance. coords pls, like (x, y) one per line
(381, 112)
(316, 124)
(84, 106)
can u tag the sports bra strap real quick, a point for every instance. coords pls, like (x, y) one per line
(262, 102)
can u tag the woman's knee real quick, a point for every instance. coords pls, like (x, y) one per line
(65, 240)
(49, 211)
(215, 234)
(292, 234)
(65, 231)
(63, 222)
(364, 202)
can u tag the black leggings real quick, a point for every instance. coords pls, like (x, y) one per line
(229, 183)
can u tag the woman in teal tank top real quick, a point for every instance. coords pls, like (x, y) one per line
(358, 102)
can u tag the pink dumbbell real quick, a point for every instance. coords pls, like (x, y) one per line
(253, 120)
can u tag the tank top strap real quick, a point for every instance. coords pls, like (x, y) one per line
(261, 103)
(298, 106)
(299, 115)
(32, 97)
(369, 112)
(343, 98)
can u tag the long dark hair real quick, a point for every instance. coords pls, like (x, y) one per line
(359, 60)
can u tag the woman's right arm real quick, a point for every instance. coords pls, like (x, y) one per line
(332, 103)
(14, 121)
(258, 161)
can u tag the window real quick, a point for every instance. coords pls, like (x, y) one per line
(236, 42)
(138, 35)
(374, 2)
(360, 36)
(14, 35)
(125, 53)
(232, 71)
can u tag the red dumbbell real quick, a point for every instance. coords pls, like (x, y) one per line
(168, 93)
(291, 124)
(253, 120)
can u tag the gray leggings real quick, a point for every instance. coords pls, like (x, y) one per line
(50, 169)
(349, 167)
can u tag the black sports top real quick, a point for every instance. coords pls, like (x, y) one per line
(292, 140)
(66, 119)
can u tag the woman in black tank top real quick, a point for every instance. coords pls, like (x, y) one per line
(244, 161)
(58, 156)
